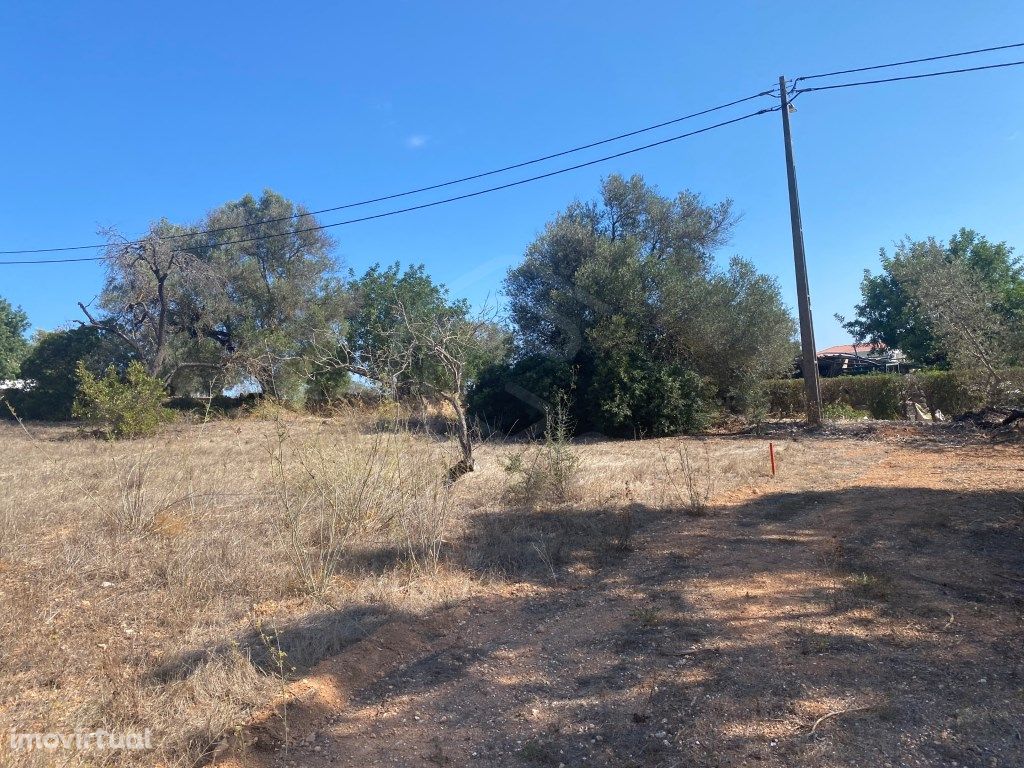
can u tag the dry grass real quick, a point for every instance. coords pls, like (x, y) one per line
(124, 567)
(172, 583)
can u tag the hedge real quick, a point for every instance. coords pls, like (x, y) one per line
(881, 395)
(951, 393)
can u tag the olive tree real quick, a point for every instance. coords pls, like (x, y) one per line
(410, 339)
(234, 300)
(627, 294)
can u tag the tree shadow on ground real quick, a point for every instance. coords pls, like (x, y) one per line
(720, 641)
(303, 643)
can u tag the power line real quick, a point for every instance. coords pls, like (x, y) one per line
(907, 77)
(910, 61)
(434, 203)
(418, 190)
(796, 92)
(52, 261)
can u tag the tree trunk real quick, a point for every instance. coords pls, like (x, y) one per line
(467, 464)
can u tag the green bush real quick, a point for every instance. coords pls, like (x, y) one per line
(628, 392)
(681, 401)
(843, 412)
(882, 395)
(511, 396)
(785, 396)
(121, 407)
(950, 392)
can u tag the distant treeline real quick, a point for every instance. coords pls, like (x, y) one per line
(619, 310)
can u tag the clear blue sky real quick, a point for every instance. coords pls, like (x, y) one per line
(119, 113)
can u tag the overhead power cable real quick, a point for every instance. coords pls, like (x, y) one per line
(795, 92)
(910, 61)
(418, 190)
(907, 77)
(432, 203)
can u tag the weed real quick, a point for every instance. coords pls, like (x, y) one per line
(872, 586)
(646, 617)
(813, 643)
(549, 474)
(696, 486)
(437, 755)
(330, 496)
(281, 668)
(844, 412)
(831, 559)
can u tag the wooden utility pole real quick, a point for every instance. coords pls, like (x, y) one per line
(809, 354)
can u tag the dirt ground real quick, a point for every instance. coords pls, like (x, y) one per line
(862, 608)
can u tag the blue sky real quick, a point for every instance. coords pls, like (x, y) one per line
(121, 113)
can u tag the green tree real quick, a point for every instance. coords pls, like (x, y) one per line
(386, 302)
(964, 311)
(889, 312)
(51, 364)
(408, 337)
(277, 287)
(13, 345)
(627, 293)
(234, 301)
(514, 393)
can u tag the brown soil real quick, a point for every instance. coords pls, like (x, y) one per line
(863, 609)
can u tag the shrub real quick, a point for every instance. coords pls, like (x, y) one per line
(677, 402)
(633, 395)
(947, 391)
(698, 483)
(881, 395)
(122, 408)
(510, 397)
(327, 387)
(750, 397)
(843, 412)
(1013, 386)
(785, 396)
(550, 474)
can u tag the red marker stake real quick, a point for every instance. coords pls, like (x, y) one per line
(771, 455)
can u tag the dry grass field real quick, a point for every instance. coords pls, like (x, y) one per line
(306, 592)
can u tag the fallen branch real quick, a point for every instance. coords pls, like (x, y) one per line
(838, 712)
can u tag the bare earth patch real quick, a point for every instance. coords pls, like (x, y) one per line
(863, 607)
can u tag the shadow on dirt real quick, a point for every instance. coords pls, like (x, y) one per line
(304, 643)
(891, 602)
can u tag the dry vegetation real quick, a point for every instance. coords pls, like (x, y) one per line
(181, 583)
(139, 581)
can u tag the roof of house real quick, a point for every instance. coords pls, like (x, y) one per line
(862, 350)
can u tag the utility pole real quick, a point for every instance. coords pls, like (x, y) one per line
(809, 353)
